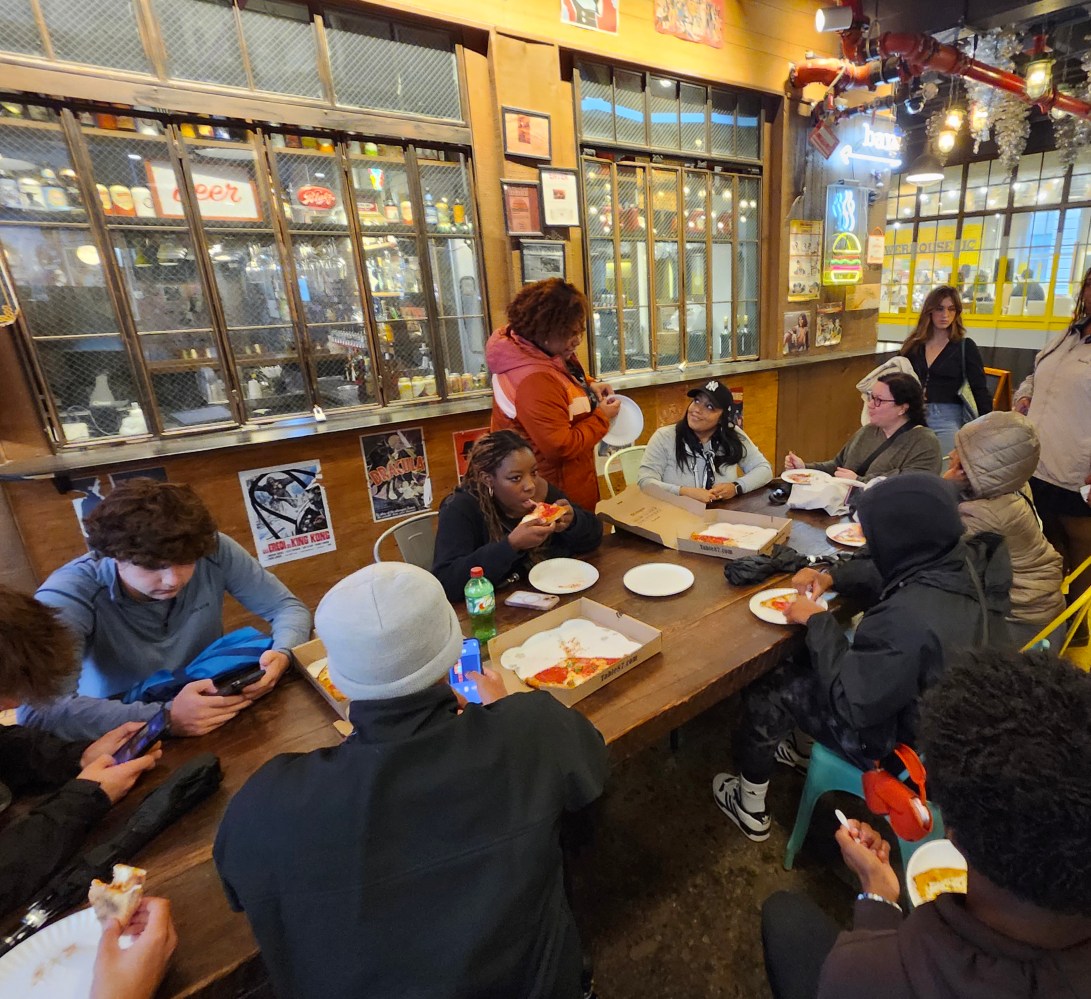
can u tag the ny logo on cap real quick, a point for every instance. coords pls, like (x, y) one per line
(712, 385)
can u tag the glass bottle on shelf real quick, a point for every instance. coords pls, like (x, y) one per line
(406, 209)
(9, 192)
(431, 215)
(390, 207)
(443, 212)
(458, 211)
(54, 196)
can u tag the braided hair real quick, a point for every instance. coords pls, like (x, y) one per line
(486, 457)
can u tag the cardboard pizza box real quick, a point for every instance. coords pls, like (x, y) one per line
(309, 658)
(669, 520)
(650, 639)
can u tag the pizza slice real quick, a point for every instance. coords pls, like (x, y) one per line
(780, 604)
(571, 673)
(118, 899)
(851, 535)
(549, 512)
(712, 539)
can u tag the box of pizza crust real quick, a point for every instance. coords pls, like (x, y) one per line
(310, 658)
(687, 525)
(641, 642)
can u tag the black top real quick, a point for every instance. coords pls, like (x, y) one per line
(942, 381)
(462, 541)
(33, 847)
(420, 858)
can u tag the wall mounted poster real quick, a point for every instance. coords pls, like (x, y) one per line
(829, 325)
(804, 260)
(95, 488)
(464, 442)
(541, 260)
(694, 20)
(287, 510)
(797, 332)
(396, 467)
(597, 15)
(526, 134)
(560, 196)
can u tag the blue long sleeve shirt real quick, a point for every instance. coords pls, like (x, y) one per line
(123, 641)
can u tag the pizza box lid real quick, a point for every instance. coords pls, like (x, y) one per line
(669, 520)
(309, 659)
(650, 639)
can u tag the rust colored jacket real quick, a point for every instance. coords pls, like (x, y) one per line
(552, 411)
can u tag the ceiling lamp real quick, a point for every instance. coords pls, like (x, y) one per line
(925, 169)
(833, 18)
(945, 141)
(1039, 78)
(979, 118)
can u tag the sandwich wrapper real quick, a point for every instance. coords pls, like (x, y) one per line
(671, 521)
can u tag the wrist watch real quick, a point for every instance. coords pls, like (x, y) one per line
(872, 896)
(739, 489)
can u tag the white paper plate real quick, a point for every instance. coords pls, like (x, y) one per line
(767, 613)
(1084, 490)
(626, 426)
(805, 476)
(563, 575)
(834, 530)
(934, 853)
(658, 579)
(55, 963)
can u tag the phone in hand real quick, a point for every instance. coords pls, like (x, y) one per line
(235, 680)
(143, 739)
(469, 661)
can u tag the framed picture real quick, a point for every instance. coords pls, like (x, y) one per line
(542, 259)
(560, 196)
(522, 208)
(526, 134)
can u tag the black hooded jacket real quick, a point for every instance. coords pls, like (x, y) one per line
(917, 583)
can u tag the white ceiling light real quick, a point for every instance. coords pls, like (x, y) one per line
(924, 170)
(833, 19)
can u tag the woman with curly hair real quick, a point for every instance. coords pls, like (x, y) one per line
(944, 357)
(483, 522)
(541, 390)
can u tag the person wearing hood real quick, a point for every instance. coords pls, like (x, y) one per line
(927, 593)
(540, 389)
(1016, 801)
(992, 461)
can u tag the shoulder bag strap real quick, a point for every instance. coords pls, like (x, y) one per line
(869, 460)
(976, 580)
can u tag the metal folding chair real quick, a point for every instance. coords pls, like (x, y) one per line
(415, 537)
(629, 458)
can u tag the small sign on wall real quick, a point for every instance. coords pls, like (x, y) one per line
(876, 246)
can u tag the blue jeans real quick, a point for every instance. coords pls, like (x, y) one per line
(944, 420)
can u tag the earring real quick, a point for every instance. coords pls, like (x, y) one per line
(490, 492)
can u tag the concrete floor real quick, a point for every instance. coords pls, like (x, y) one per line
(673, 893)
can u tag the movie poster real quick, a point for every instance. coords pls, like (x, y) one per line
(95, 488)
(464, 442)
(797, 332)
(396, 467)
(287, 510)
(597, 15)
(699, 21)
(829, 325)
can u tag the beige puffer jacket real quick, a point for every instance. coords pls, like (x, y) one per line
(999, 452)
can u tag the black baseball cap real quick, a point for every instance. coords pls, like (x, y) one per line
(719, 394)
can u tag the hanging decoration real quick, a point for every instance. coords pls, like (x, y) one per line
(1011, 129)
(994, 48)
(1071, 134)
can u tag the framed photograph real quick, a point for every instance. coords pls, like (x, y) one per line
(560, 196)
(522, 208)
(542, 259)
(526, 134)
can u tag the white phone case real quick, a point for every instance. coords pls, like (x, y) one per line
(535, 601)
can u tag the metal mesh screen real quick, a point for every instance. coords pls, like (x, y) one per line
(310, 190)
(187, 378)
(201, 41)
(663, 112)
(722, 122)
(693, 114)
(160, 275)
(135, 179)
(420, 74)
(225, 180)
(748, 135)
(463, 325)
(18, 29)
(103, 35)
(271, 31)
(596, 102)
(629, 107)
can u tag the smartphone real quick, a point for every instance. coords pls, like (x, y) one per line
(469, 661)
(535, 601)
(143, 739)
(235, 680)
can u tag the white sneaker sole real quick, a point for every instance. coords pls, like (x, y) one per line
(753, 835)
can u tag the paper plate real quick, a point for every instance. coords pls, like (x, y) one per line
(767, 613)
(1084, 490)
(658, 579)
(805, 476)
(927, 856)
(842, 534)
(563, 575)
(626, 426)
(55, 963)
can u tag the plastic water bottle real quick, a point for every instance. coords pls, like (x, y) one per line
(481, 603)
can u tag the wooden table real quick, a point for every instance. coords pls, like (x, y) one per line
(712, 647)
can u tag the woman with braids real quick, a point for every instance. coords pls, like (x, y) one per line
(540, 389)
(1056, 397)
(481, 522)
(944, 357)
(700, 456)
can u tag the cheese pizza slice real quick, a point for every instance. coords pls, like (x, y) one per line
(118, 899)
(549, 512)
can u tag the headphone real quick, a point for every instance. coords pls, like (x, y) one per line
(885, 794)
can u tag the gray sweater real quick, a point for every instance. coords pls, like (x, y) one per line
(660, 468)
(916, 449)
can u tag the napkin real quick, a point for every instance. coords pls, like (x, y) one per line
(829, 495)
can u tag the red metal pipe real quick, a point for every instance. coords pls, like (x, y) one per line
(825, 71)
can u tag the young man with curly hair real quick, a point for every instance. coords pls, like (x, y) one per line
(149, 597)
(1006, 738)
(36, 660)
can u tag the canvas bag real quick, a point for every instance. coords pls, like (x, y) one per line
(965, 394)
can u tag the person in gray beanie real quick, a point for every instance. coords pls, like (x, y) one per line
(422, 856)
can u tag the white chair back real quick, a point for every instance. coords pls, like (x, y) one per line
(629, 458)
(415, 537)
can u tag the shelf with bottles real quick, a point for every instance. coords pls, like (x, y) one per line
(182, 364)
(36, 182)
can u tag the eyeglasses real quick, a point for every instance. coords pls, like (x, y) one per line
(875, 400)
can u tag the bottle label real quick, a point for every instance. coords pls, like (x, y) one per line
(485, 604)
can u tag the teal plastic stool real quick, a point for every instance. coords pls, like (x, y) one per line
(830, 772)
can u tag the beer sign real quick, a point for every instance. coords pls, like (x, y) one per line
(223, 194)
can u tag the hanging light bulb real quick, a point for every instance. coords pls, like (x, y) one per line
(979, 118)
(954, 119)
(1056, 113)
(1039, 78)
(945, 141)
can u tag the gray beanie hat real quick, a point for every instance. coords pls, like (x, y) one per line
(388, 631)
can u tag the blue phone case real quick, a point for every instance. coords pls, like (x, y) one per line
(470, 660)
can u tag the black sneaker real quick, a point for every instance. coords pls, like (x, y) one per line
(787, 754)
(727, 792)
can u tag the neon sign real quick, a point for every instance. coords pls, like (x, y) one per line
(845, 215)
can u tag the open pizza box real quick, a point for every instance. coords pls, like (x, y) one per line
(670, 521)
(649, 638)
(310, 657)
